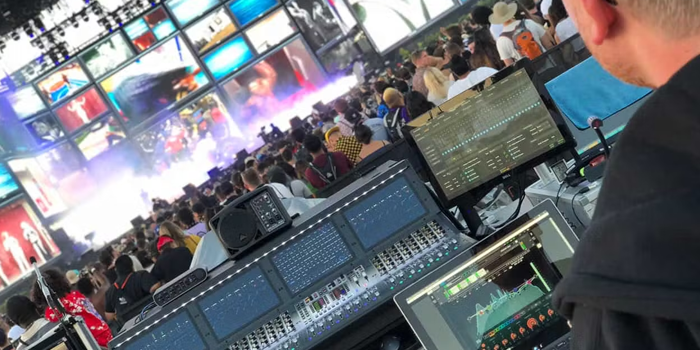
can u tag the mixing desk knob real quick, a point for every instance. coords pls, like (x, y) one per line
(413, 272)
(312, 329)
(392, 280)
(338, 313)
(356, 302)
(376, 293)
(445, 246)
(347, 307)
(285, 345)
(295, 340)
(401, 274)
(329, 319)
(366, 296)
(454, 241)
(421, 266)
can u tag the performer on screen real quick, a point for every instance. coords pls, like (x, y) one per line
(32, 237)
(78, 107)
(3, 276)
(12, 245)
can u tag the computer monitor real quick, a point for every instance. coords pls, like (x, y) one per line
(504, 130)
(496, 295)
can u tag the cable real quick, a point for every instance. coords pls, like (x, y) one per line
(150, 305)
(573, 208)
(521, 194)
(556, 200)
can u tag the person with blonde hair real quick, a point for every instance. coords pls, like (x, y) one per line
(438, 85)
(398, 114)
(169, 229)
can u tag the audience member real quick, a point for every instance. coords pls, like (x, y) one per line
(225, 192)
(564, 26)
(297, 188)
(253, 181)
(129, 289)
(174, 260)
(379, 132)
(531, 47)
(363, 134)
(402, 86)
(169, 229)
(96, 295)
(349, 117)
(348, 146)
(288, 156)
(480, 16)
(75, 304)
(467, 78)
(398, 115)
(25, 314)
(326, 167)
(437, 85)
(188, 223)
(379, 87)
(73, 276)
(417, 105)
(454, 33)
(452, 50)
(544, 8)
(485, 52)
(422, 61)
(198, 210)
(532, 11)
(300, 152)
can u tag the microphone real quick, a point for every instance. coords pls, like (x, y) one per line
(596, 123)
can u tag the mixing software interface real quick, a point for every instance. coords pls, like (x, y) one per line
(488, 135)
(178, 330)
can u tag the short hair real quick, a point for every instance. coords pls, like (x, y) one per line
(341, 105)
(124, 266)
(298, 135)
(403, 73)
(199, 208)
(277, 175)
(480, 15)
(262, 167)
(527, 4)
(288, 155)
(21, 310)
(85, 287)
(454, 49)
(439, 51)
(380, 87)
(416, 55)
(363, 134)
(237, 179)
(417, 104)
(106, 257)
(57, 281)
(459, 66)
(226, 189)
(557, 12)
(186, 216)
(402, 86)
(453, 31)
(392, 97)
(313, 143)
(252, 178)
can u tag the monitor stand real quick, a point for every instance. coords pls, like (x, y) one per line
(465, 204)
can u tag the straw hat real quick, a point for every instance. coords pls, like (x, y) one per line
(503, 12)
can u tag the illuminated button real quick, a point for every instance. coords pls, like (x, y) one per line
(376, 293)
(392, 280)
(421, 266)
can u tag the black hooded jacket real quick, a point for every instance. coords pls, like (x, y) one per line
(635, 279)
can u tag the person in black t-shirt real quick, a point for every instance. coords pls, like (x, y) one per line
(172, 262)
(129, 288)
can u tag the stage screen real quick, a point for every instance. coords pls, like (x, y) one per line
(150, 29)
(403, 18)
(154, 82)
(211, 30)
(101, 136)
(247, 11)
(185, 11)
(81, 110)
(274, 90)
(45, 130)
(107, 55)
(53, 179)
(228, 58)
(319, 23)
(270, 31)
(200, 136)
(22, 237)
(63, 83)
(25, 102)
(8, 186)
(340, 57)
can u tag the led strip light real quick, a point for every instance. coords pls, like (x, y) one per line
(260, 257)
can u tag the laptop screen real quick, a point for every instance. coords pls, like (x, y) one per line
(496, 296)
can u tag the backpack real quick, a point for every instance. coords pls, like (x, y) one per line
(524, 41)
(328, 174)
(393, 122)
(124, 301)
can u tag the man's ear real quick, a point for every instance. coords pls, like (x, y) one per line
(601, 16)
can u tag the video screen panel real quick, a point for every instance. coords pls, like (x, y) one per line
(317, 20)
(150, 29)
(247, 11)
(185, 11)
(22, 237)
(403, 17)
(101, 136)
(81, 110)
(211, 30)
(270, 31)
(274, 89)
(8, 186)
(45, 130)
(340, 57)
(154, 82)
(107, 55)
(179, 329)
(26, 102)
(228, 58)
(202, 133)
(63, 83)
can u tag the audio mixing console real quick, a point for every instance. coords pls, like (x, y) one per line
(330, 269)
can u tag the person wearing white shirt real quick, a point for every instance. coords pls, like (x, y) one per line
(438, 85)
(466, 77)
(505, 14)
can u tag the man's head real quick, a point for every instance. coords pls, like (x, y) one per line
(454, 31)
(419, 57)
(393, 98)
(313, 144)
(288, 155)
(658, 37)
(459, 66)
(480, 15)
(452, 49)
(124, 266)
(186, 217)
(225, 190)
(85, 287)
(22, 311)
(341, 106)
(198, 210)
(106, 258)
(298, 135)
(251, 179)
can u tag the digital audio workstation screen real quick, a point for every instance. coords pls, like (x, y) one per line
(500, 299)
(488, 135)
(384, 212)
(238, 302)
(178, 330)
(312, 257)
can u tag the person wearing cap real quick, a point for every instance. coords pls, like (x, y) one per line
(172, 262)
(346, 145)
(505, 14)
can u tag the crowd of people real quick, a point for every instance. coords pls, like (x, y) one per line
(373, 116)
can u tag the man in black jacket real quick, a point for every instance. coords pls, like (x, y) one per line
(633, 284)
